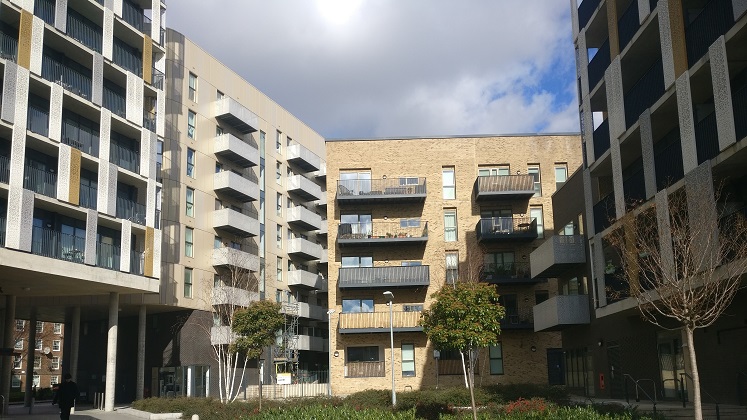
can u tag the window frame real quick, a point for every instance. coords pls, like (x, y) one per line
(448, 228)
(37, 362)
(56, 345)
(564, 168)
(362, 303)
(188, 282)
(58, 328)
(189, 242)
(537, 181)
(499, 357)
(408, 361)
(54, 364)
(191, 124)
(190, 202)
(452, 267)
(21, 323)
(192, 87)
(445, 185)
(191, 162)
(540, 220)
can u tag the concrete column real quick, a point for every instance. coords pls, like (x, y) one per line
(30, 352)
(111, 352)
(10, 327)
(75, 343)
(140, 384)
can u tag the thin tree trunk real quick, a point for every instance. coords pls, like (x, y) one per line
(472, 384)
(697, 403)
(259, 374)
(464, 370)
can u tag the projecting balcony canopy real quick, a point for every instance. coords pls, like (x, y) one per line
(388, 190)
(378, 322)
(384, 277)
(304, 249)
(306, 279)
(557, 255)
(236, 150)
(304, 188)
(235, 186)
(382, 233)
(230, 257)
(497, 229)
(236, 223)
(504, 187)
(303, 158)
(561, 311)
(236, 115)
(303, 218)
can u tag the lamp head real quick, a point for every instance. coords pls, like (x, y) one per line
(389, 295)
(330, 312)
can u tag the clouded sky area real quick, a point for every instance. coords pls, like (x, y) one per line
(389, 68)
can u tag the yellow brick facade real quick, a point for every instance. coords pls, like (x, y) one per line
(524, 352)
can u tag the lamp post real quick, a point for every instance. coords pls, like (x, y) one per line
(390, 296)
(329, 351)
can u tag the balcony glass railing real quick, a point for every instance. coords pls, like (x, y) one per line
(4, 169)
(131, 210)
(40, 181)
(45, 10)
(706, 138)
(394, 186)
(585, 11)
(137, 262)
(81, 134)
(628, 25)
(644, 93)
(107, 256)
(8, 47)
(124, 157)
(716, 17)
(84, 30)
(601, 139)
(599, 64)
(38, 120)
(114, 102)
(70, 79)
(55, 244)
(157, 78)
(149, 120)
(127, 57)
(88, 196)
(134, 16)
(383, 230)
(604, 212)
(506, 227)
(668, 159)
(739, 102)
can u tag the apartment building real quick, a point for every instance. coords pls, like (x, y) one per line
(663, 91)
(46, 351)
(82, 111)
(414, 215)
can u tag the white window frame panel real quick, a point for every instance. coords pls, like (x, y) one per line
(537, 213)
(448, 181)
(535, 171)
(451, 234)
(56, 345)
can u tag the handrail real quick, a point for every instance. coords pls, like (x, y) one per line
(682, 383)
(639, 387)
(676, 385)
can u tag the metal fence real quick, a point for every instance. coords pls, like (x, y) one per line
(40, 181)
(55, 244)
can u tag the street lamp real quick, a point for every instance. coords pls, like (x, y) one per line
(329, 351)
(390, 296)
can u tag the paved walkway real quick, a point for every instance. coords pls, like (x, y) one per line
(47, 411)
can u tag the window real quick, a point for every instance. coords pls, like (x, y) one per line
(189, 241)
(496, 359)
(408, 360)
(38, 345)
(452, 267)
(561, 175)
(355, 182)
(450, 225)
(568, 230)
(541, 296)
(279, 208)
(187, 282)
(278, 142)
(55, 363)
(19, 344)
(20, 324)
(411, 263)
(190, 202)
(39, 327)
(357, 305)
(218, 131)
(191, 118)
(218, 167)
(219, 95)
(363, 354)
(449, 183)
(54, 379)
(16, 380)
(57, 328)
(279, 237)
(501, 265)
(279, 173)
(17, 362)
(217, 242)
(190, 163)
(37, 381)
(192, 87)
(217, 281)
(356, 226)
(37, 362)
(536, 213)
(357, 261)
(262, 138)
(56, 345)
(534, 171)
(494, 171)
(279, 269)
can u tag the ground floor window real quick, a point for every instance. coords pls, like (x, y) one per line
(579, 369)
(187, 381)
(364, 361)
(496, 359)
(16, 381)
(408, 360)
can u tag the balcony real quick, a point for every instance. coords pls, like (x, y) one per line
(634, 187)
(236, 150)
(137, 262)
(642, 95)
(561, 311)
(628, 24)
(714, 20)
(84, 30)
(4, 169)
(108, 256)
(88, 196)
(504, 187)
(706, 138)
(500, 229)
(236, 223)
(126, 156)
(384, 277)
(557, 255)
(127, 57)
(365, 369)
(322, 172)
(378, 322)
(55, 244)
(739, 103)
(604, 212)
(309, 311)
(45, 10)
(310, 343)
(221, 335)
(131, 210)
(668, 159)
(80, 133)
(518, 319)
(585, 11)
(307, 280)
(601, 139)
(598, 64)
(8, 47)
(382, 233)
(38, 118)
(322, 202)
(304, 249)
(231, 112)
(114, 100)
(133, 15)
(40, 181)
(157, 78)
(303, 158)
(235, 186)
(70, 79)
(508, 273)
(303, 218)
(230, 257)
(225, 295)
(304, 188)
(324, 260)
(149, 120)
(323, 229)
(373, 191)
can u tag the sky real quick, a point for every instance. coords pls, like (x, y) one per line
(391, 68)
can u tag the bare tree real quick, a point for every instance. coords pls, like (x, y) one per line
(681, 270)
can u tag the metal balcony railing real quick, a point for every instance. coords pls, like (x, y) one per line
(366, 322)
(159, 169)
(45, 9)
(4, 169)
(706, 138)
(131, 210)
(391, 187)
(38, 120)
(634, 188)
(668, 159)
(137, 262)
(114, 102)
(365, 369)
(157, 221)
(509, 272)
(84, 30)
(585, 11)
(518, 319)
(70, 79)
(8, 47)
(507, 187)
(628, 25)
(382, 230)
(55, 244)
(601, 139)
(739, 103)
(149, 120)
(727, 224)
(599, 64)
(88, 196)
(3, 223)
(714, 20)
(392, 276)
(652, 4)
(644, 93)
(157, 78)
(615, 289)
(80, 136)
(40, 181)
(506, 228)
(604, 212)
(108, 256)
(127, 57)
(124, 157)
(133, 15)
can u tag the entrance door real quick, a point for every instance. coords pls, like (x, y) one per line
(616, 379)
(555, 368)
(671, 363)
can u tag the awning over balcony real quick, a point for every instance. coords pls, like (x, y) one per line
(504, 187)
(302, 157)
(557, 255)
(236, 115)
(236, 150)
(394, 276)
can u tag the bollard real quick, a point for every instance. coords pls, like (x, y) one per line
(195, 417)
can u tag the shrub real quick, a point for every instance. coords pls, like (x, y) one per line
(371, 398)
(536, 405)
(512, 392)
(321, 412)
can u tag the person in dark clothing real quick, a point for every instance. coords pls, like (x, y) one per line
(65, 396)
